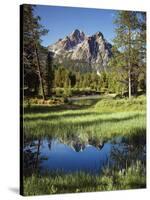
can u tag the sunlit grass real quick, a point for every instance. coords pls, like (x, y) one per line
(106, 119)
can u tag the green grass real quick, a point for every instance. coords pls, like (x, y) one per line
(104, 120)
(132, 178)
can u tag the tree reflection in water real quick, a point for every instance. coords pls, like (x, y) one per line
(32, 157)
(127, 153)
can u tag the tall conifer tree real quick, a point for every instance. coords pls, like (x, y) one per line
(32, 31)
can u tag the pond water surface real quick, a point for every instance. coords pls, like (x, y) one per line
(75, 155)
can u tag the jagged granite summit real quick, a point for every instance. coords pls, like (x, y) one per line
(93, 50)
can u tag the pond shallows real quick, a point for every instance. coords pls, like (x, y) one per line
(74, 155)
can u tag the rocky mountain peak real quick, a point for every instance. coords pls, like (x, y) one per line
(76, 32)
(99, 34)
(77, 36)
(77, 46)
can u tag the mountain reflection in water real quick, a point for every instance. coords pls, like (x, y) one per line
(75, 154)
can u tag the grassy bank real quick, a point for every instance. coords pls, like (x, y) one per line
(111, 179)
(103, 120)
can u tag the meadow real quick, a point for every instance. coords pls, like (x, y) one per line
(104, 119)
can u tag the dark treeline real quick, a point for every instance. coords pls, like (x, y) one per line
(125, 73)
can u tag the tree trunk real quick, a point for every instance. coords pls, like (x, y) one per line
(129, 65)
(129, 83)
(49, 74)
(39, 72)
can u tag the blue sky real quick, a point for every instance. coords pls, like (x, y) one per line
(61, 21)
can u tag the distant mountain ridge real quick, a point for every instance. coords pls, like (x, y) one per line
(93, 50)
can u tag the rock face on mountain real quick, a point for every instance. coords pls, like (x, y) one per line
(89, 50)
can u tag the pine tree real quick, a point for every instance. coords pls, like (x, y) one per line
(118, 73)
(49, 74)
(141, 46)
(32, 31)
(126, 30)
